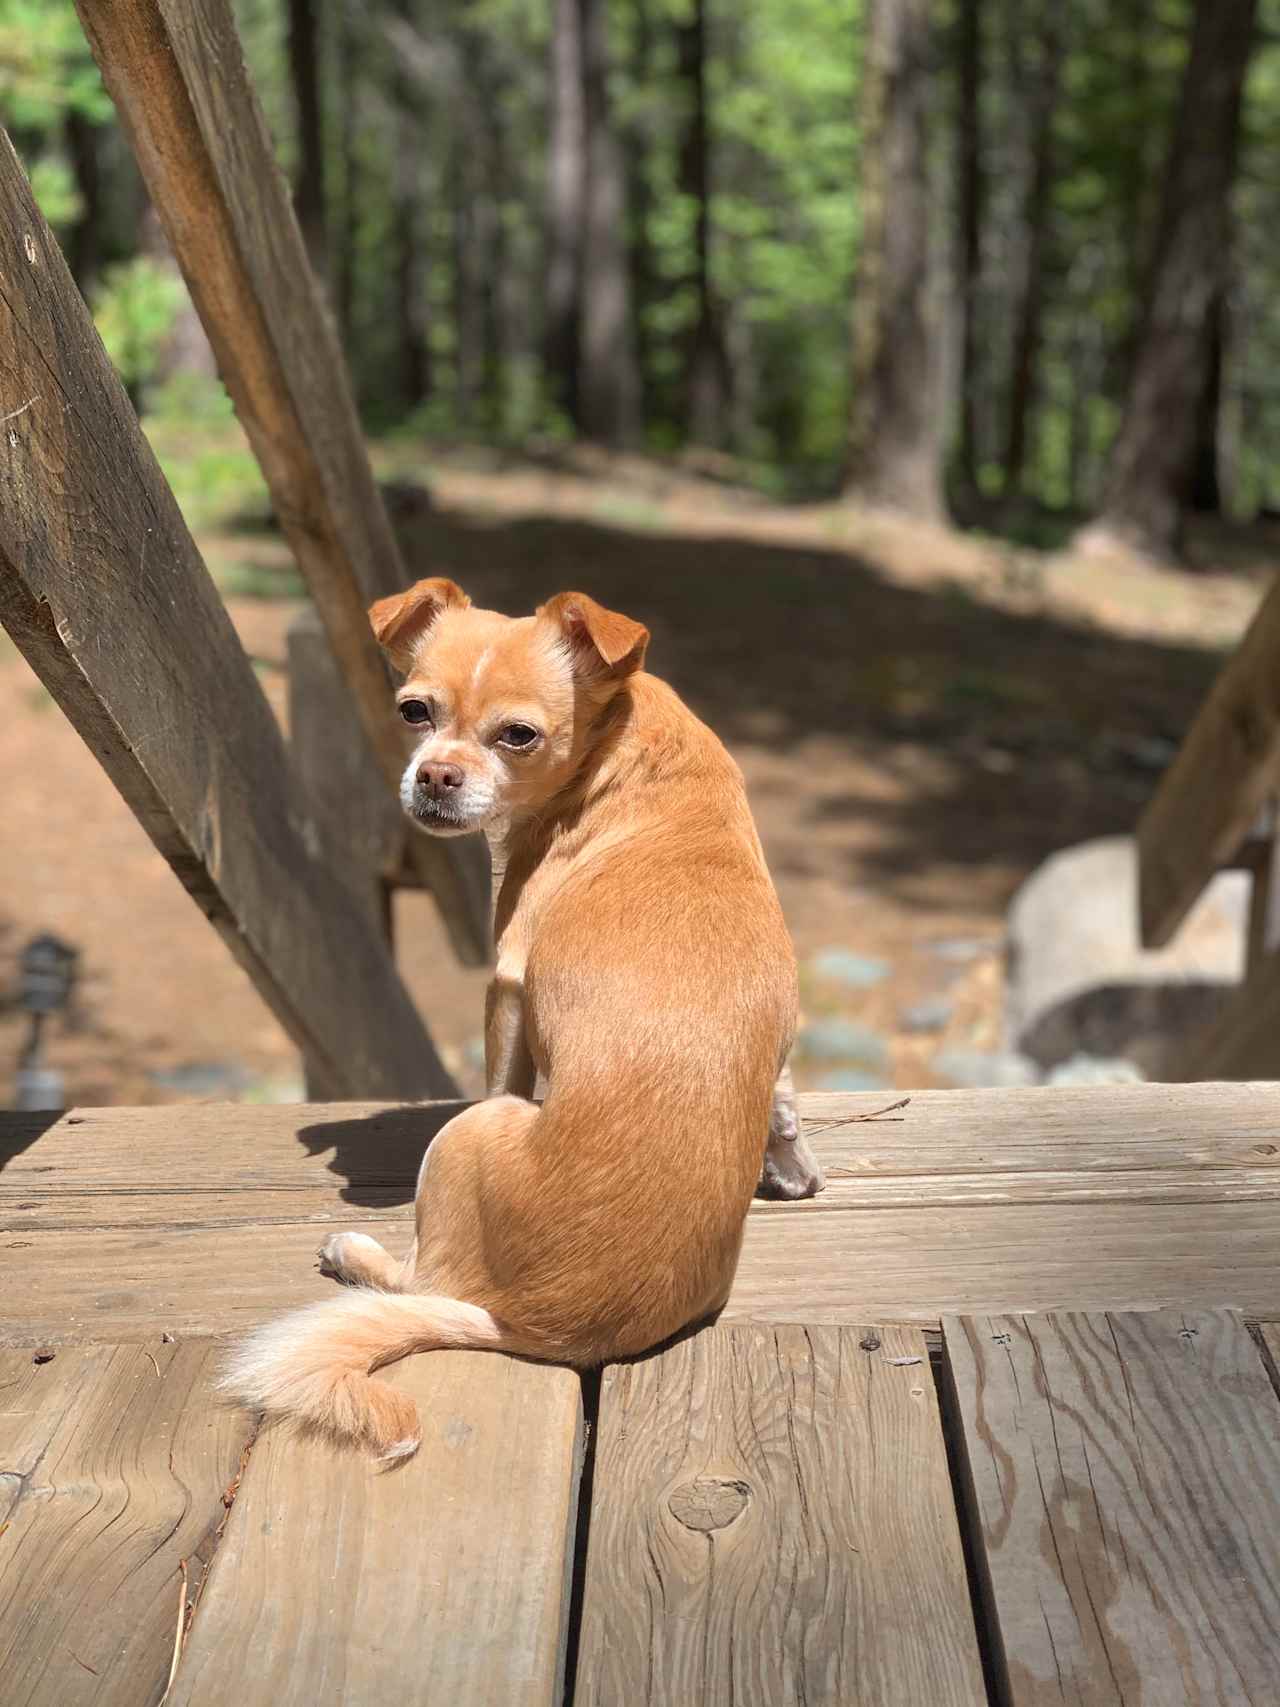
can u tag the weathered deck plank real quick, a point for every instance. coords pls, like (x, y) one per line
(205, 1219)
(115, 1464)
(1126, 1486)
(772, 1523)
(444, 1581)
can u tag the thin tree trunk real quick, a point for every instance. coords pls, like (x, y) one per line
(84, 248)
(641, 262)
(566, 208)
(608, 382)
(304, 73)
(352, 49)
(1204, 487)
(410, 257)
(708, 370)
(970, 200)
(1029, 313)
(895, 448)
(1149, 474)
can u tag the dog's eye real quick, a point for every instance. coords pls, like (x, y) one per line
(518, 735)
(415, 711)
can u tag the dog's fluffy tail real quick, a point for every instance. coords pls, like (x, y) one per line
(313, 1368)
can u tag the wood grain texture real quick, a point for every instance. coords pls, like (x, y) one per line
(1125, 1475)
(176, 72)
(772, 1523)
(117, 1223)
(115, 1463)
(444, 1581)
(103, 590)
(1227, 766)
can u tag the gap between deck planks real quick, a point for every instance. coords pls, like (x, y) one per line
(116, 1224)
(1124, 1481)
(114, 1465)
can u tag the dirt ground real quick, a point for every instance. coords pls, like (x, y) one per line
(921, 718)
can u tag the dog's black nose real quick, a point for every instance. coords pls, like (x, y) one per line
(438, 780)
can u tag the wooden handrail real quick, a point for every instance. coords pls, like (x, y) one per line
(175, 70)
(103, 590)
(1225, 770)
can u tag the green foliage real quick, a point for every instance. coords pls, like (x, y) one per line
(135, 309)
(46, 69)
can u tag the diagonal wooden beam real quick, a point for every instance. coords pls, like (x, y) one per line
(176, 72)
(103, 590)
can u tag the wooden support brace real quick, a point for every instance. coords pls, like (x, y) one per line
(103, 590)
(1223, 774)
(176, 72)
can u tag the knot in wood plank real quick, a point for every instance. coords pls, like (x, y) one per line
(709, 1502)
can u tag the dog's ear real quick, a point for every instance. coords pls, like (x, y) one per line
(400, 621)
(601, 642)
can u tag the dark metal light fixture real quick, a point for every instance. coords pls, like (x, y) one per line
(48, 974)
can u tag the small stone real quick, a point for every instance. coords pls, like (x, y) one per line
(933, 1014)
(849, 1079)
(44, 1355)
(960, 948)
(854, 971)
(1084, 1069)
(979, 1068)
(844, 1040)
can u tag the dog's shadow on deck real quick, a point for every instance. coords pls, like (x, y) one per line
(379, 1154)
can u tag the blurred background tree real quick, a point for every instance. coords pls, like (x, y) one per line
(1017, 261)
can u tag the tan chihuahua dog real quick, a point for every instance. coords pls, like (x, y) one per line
(645, 971)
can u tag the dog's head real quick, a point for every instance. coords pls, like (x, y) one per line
(501, 708)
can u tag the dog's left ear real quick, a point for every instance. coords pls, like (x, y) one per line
(400, 621)
(602, 642)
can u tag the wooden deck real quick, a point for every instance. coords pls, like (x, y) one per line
(994, 1419)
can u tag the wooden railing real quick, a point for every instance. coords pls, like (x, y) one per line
(105, 593)
(1215, 808)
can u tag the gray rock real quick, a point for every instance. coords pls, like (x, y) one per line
(1084, 1069)
(1079, 981)
(854, 971)
(849, 1079)
(978, 1068)
(961, 949)
(933, 1014)
(844, 1040)
(203, 1079)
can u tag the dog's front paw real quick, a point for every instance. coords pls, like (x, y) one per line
(791, 1171)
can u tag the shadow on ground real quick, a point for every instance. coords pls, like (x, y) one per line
(998, 735)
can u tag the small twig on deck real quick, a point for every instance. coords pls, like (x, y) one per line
(75, 1656)
(154, 1364)
(179, 1633)
(13, 416)
(853, 1119)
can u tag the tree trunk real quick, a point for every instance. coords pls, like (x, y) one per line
(84, 247)
(895, 444)
(352, 48)
(708, 369)
(304, 73)
(410, 257)
(566, 208)
(1204, 486)
(641, 260)
(608, 382)
(1029, 313)
(970, 199)
(1150, 471)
